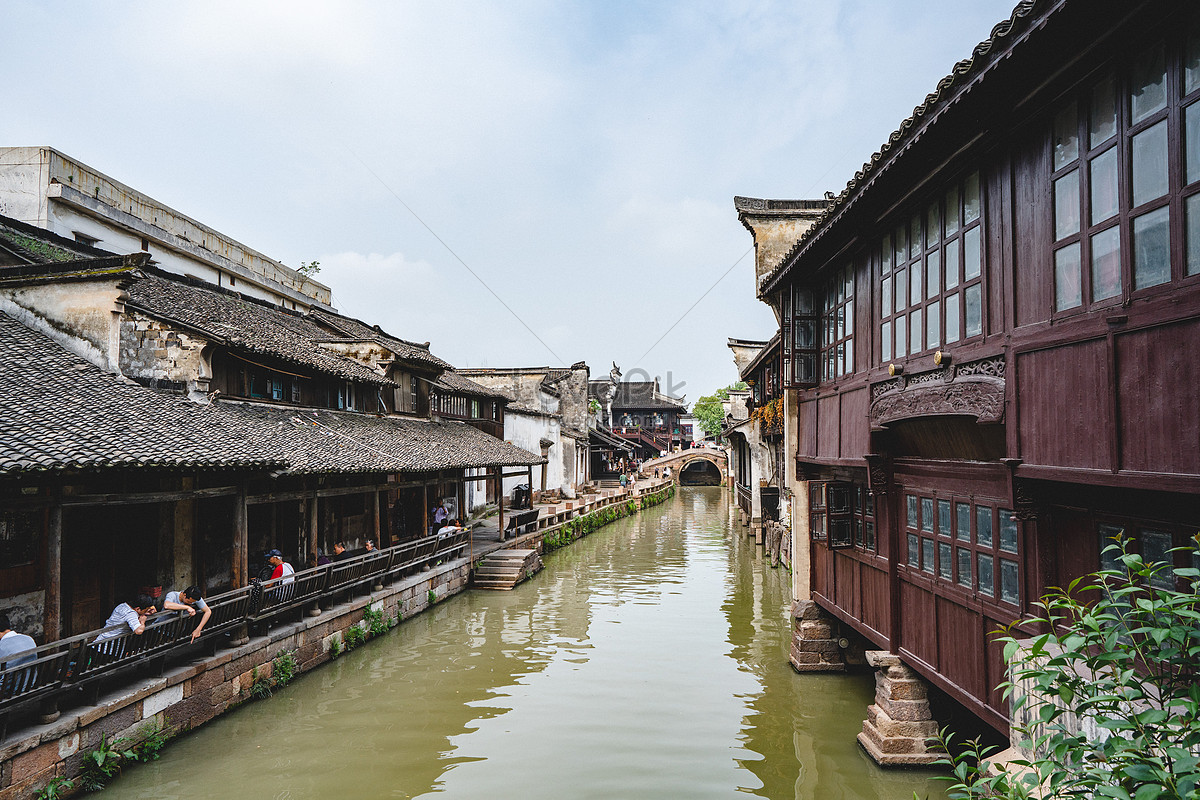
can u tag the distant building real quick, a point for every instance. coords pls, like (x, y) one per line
(643, 415)
(45, 188)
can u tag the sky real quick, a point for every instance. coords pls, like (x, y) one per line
(519, 182)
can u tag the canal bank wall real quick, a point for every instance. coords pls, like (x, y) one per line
(189, 695)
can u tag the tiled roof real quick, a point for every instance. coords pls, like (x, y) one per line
(245, 324)
(960, 80)
(34, 245)
(58, 412)
(359, 330)
(451, 381)
(314, 440)
(633, 394)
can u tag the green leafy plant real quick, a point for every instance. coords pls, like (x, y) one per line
(354, 636)
(151, 738)
(309, 268)
(284, 667)
(432, 597)
(103, 764)
(55, 788)
(373, 621)
(1107, 698)
(335, 647)
(260, 686)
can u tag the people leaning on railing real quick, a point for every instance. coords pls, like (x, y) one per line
(190, 602)
(15, 648)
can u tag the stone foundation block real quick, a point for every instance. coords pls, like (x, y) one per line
(899, 724)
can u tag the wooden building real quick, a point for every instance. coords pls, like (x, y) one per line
(644, 416)
(157, 431)
(991, 338)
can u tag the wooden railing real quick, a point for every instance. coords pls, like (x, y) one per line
(743, 497)
(68, 664)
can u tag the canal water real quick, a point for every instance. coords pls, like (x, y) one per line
(647, 660)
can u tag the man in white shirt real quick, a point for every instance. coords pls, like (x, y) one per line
(15, 648)
(189, 601)
(128, 616)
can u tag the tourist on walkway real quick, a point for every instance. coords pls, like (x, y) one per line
(131, 616)
(189, 601)
(15, 648)
(624, 480)
(280, 569)
(339, 551)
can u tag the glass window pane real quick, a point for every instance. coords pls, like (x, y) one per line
(901, 329)
(944, 521)
(1156, 546)
(1067, 292)
(886, 253)
(1106, 264)
(927, 555)
(1192, 219)
(986, 578)
(914, 236)
(1191, 143)
(983, 526)
(1066, 205)
(972, 258)
(945, 563)
(1066, 137)
(849, 355)
(963, 522)
(1150, 164)
(971, 198)
(1008, 531)
(952, 314)
(1103, 189)
(1151, 249)
(912, 511)
(951, 210)
(858, 533)
(933, 274)
(806, 334)
(964, 566)
(951, 265)
(933, 224)
(915, 329)
(933, 324)
(914, 552)
(1103, 120)
(1108, 535)
(885, 338)
(1148, 86)
(901, 244)
(1010, 591)
(974, 302)
(1191, 60)
(870, 543)
(914, 275)
(885, 300)
(927, 513)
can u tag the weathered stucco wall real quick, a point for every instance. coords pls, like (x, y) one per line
(153, 351)
(81, 316)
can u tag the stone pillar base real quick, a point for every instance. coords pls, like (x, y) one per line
(814, 645)
(898, 724)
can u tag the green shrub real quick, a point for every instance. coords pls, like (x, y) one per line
(260, 687)
(102, 765)
(335, 647)
(373, 621)
(354, 636)
(151, 738)
(284, 667)
(1121, 652)
(55, 788)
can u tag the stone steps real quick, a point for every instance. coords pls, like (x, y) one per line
(504, 569)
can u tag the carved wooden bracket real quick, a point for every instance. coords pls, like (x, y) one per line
(975, 389)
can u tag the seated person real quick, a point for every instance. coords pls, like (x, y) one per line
(340, 553)
(189, 601)
(452, 527)
(15, 648)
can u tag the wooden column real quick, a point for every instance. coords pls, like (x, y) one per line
(52, 621)
(374, 500)
(425, 509)
(240, 567)
(313, 522)
(531, 483)
(500, 499)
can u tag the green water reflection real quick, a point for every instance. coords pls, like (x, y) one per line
(648, 660)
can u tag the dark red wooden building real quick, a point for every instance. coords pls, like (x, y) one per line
(991, 338)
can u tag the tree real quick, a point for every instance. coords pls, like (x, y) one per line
(1108, 696)
(709, 412)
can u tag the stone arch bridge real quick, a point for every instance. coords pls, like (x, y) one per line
(697, 465)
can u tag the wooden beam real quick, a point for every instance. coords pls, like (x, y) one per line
(500, 499)
(52, 621)
(310, 507)
(239, 566)
(135, 498)
(375, 518)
